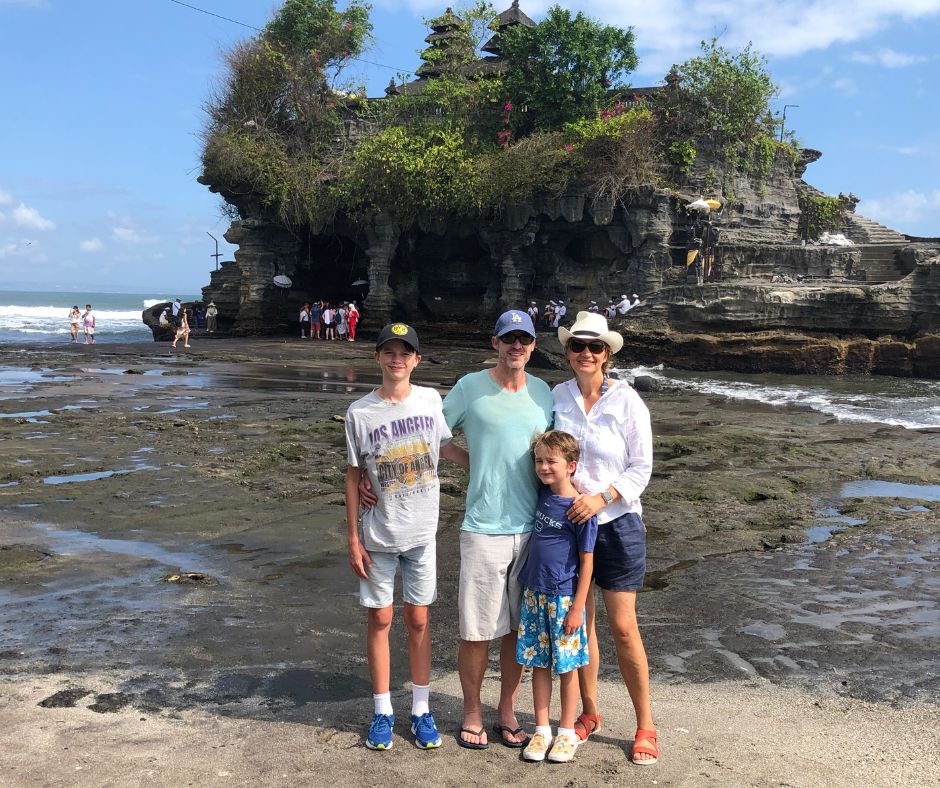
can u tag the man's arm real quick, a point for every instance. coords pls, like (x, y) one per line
(359, 559)
(456, 454)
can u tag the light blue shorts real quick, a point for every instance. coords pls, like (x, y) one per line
(418, 577)
(542, 641)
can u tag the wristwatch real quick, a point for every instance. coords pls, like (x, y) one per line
(608, 497)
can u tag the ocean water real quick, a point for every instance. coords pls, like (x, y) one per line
(42, 316)
(33, 317)
(912, 403)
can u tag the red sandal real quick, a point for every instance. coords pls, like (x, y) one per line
(586, 724)
(646, 749)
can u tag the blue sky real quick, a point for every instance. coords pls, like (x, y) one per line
(102, 113)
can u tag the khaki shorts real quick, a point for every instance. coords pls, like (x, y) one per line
(489, 595)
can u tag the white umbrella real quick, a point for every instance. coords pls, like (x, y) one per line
(700, 205)
(282, 281)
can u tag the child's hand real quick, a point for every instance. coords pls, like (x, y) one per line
(367, 498)
(574, 619)
(359, 560)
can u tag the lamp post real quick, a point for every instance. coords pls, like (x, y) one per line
(783, 121)
(216, 255)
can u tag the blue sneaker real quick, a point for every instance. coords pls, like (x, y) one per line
(380, 732)
(425, 731)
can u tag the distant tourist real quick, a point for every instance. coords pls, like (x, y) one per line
(560, 311)
(342, 327)
(304, 321)
(328, 316)
(88, 321)
(623, 305)
(316, 312)
(533, 312)
(75, 320)
(177, 305)
(212, 313)
(549, 314)
(610, 312)
(352, 319)
(182, 330)
(593, 307)
(395, 436)
(635, 301)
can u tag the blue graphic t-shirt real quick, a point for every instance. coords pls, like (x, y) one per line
(552, 565)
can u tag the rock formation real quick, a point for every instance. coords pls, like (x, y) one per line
(462, 272)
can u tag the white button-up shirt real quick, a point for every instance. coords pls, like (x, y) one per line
(616, 442)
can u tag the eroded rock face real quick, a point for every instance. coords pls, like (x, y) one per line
(890, 329)
(458, 274)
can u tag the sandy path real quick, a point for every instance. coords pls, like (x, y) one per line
(744, 733)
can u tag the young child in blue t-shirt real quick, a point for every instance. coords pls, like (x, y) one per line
(556, 579)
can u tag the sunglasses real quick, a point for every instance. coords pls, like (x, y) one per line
(577, 346)
(510, 339)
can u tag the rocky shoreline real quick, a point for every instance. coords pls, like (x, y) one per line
(126, 464)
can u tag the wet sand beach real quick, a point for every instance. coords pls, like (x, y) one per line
(783, 650)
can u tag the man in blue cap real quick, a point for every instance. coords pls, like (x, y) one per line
(500, 411)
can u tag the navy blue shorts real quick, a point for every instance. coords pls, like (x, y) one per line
(620, 554)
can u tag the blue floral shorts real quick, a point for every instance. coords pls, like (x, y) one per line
(542, 641)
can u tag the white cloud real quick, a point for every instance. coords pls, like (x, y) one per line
(24, 216)
(5, 198)
(905, 207)
(91, 245)
(845, 85)
(887, 58)
(131, 235)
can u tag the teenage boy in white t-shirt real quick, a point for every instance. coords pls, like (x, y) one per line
(396, 435)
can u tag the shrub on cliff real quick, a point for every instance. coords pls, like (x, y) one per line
(721, 94)
(469, 141)
(272, 121)
(400, 173)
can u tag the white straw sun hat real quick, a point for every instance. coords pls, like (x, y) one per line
(588, 326)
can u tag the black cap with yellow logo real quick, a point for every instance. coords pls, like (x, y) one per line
(398, 331)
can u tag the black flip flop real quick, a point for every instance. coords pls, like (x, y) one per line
(501, 730)
(469, 745)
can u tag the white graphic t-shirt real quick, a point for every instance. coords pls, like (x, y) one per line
(399, 444)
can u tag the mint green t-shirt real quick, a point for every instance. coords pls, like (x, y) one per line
(499, 425)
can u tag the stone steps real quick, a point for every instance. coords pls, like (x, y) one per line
(880, 262)
(863, 230)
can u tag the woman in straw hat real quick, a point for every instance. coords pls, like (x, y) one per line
(612, 426)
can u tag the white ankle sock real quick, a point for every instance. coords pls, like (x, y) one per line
(572, 736)
(420, 699)
(383, 703)
(546, 731)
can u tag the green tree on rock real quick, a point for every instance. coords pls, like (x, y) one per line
(562, 69)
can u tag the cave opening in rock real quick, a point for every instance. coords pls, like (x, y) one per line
(438, 277)
(327, 268)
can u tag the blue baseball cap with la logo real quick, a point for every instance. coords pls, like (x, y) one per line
(514, 320)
